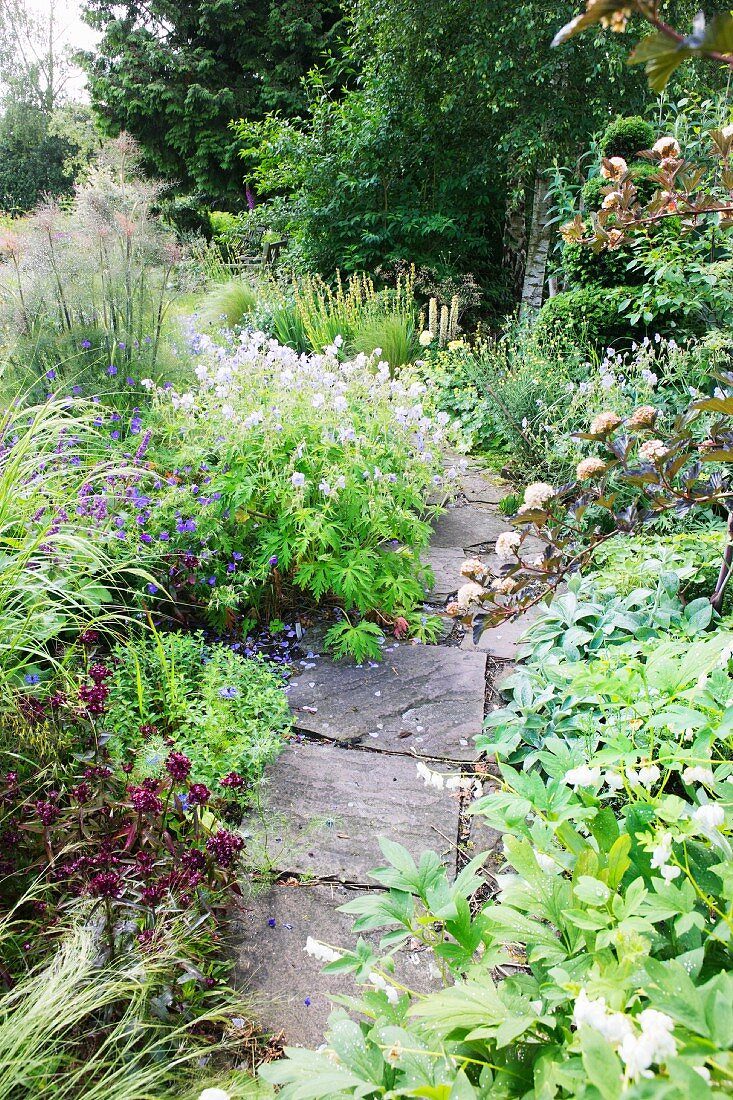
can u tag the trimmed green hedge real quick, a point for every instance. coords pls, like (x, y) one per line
(590, 316)
(627, 137)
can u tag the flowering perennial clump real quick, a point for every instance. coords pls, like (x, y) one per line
(303, 470)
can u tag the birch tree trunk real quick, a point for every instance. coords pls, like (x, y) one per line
(538, 248)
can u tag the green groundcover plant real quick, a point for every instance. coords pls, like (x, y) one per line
(581, 658)
(225, 712)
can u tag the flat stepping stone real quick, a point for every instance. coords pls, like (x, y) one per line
(466, 527)
(482, 489)
(326, 806)
(500, 642)
(425, 700)
(446, 565)
(268, 941)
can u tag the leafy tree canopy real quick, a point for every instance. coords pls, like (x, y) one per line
(455, 108)
(174, 74)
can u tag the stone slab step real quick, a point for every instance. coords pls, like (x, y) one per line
(426, 700)
(324, 807)
(292, 995)
(481, 488)
(445, 564)
(466, 527)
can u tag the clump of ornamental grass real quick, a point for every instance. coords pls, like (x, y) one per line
(75, 1025)
(391, 337)
(56, 578)
(105, 264)
(348, 309)
(230, 304)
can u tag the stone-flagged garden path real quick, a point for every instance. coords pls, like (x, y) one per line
(349, 776)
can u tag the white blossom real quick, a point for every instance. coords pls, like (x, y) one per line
(430, 778)
(507, 543)
(583, 776)
(698, 774)
(709, 816)
(321, 951)
(469, 593)
(649, 775)
(537, 494)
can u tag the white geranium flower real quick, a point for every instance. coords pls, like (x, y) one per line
(298, 480)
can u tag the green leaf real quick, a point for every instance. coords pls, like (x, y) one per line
(347, 1040)
(661, 56)
(601, 1063)
(465, 1005)
(618, 860)
(591, 891)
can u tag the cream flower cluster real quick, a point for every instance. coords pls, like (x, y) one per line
(604, 423)
(667, 148)
(588, 468)
(653, 450)
(641, 1041)
(507, 544)
(473, 568)
(643, 417)
(614, 169)
(536, 495)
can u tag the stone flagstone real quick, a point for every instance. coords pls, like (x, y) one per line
(479, 489)
(446, 565)
(270, 958)
(426, 700)
(324, 808)
(465, 528)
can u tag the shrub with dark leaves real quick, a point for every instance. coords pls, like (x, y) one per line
(141, 853)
